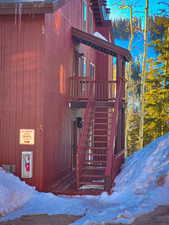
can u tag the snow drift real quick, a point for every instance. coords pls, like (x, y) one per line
(13, 192)
(142, 185)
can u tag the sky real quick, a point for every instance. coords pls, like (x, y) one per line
(138, 8)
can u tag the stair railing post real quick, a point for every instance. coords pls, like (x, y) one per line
(113, 132)
(80, 157)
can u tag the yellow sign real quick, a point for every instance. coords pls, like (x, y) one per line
(27, 137)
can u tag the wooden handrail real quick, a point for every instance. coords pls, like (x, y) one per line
(103, 90)
(112, 139)
(80, 157)
(114, 127)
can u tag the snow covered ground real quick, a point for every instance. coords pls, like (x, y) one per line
(142, 185)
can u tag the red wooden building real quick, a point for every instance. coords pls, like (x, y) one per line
(61, 103)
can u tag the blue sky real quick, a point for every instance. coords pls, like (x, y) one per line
(138, 9)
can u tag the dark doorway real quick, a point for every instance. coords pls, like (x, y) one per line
(74, 143)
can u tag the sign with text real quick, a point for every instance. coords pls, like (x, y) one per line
(27, 137)
(27, 161)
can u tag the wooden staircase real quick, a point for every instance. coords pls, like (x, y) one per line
(97, 145)
(96, 150)
(94, 165)
(96, 153)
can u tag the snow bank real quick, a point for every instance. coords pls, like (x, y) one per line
(142, 185)
(13, 192)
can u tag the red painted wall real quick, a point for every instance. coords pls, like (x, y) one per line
(21, 47)
(36, 61)
(59, 50)
(104, 61)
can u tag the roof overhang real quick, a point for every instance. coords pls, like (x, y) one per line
(14, 7)
(99, 44)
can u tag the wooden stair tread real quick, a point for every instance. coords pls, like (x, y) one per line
(105, 123)
(99, 113)
(101, 152)
(101, 129)
(95, 165)
(93, 168)
(98, 154)
(95, 161)
(92, 175)
(98, 147)
(96, 134)
(93, 182)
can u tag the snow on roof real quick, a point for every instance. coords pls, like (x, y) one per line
(142, 185)
(99, 35)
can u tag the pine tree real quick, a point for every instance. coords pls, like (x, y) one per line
(157, 91)
(121, 28)
(133, 109)
(133, 133)
(156, 27)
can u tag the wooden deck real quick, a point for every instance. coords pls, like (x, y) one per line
(67, 186)
(73, 191)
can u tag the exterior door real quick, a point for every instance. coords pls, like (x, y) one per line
(92, 71)
(74, 143)
(76, 63)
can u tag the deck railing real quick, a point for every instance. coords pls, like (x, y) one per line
(115, 116)
(103, 90)
(83, 140)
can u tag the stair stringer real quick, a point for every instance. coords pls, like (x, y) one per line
(83, 141)
(114, 117)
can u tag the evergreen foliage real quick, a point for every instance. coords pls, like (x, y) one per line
(133, 133)
(133, 109)
(157, 90)
(134, 86)
(156, 27)
(121, 27)
(136, 79)
(156, 121)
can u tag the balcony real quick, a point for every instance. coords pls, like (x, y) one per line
(82, 88)
(100, 11)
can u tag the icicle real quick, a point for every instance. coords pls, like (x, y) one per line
(16, 12)
(20, 14)
(43, 29)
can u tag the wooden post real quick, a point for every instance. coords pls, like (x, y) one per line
(115, 117)
(123, 109)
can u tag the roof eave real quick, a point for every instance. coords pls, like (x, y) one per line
(35, 7)
(100, 44)
(25, 8)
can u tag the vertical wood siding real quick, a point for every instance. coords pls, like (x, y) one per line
(59, 56)
(20, 89)
(36, 61)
